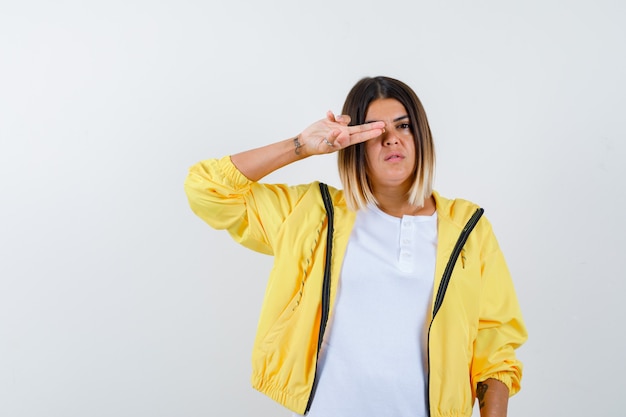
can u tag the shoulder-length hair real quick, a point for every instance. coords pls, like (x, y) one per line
(351, 160)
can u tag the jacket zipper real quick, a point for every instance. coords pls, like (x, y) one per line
(443, 285)
(328, 204)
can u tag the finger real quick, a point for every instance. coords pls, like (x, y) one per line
(331, 140)
(344, 119)
(366, 127)
(334, 135)
(330, 116)
(359, 137)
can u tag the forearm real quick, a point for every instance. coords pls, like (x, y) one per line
(493, 398)
(257, 163)
(322, 137)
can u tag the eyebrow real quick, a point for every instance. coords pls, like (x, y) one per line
(397, 119)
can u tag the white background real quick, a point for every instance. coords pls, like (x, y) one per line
(115, 300)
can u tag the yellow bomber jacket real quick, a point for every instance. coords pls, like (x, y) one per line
(473, 336)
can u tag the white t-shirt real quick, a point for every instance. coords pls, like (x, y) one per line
(373, 360)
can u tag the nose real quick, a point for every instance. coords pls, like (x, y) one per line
(389, 138)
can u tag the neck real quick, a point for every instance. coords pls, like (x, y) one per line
(399, 206)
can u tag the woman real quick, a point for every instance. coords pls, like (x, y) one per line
(382, 344)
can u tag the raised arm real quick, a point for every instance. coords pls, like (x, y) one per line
(322, 137)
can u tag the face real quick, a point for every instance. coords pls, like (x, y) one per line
(391, 156)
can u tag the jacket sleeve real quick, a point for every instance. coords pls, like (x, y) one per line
(501, 328)
(251, 212)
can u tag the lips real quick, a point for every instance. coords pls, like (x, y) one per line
(394, 157)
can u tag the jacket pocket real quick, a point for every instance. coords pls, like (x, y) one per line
(278, 328)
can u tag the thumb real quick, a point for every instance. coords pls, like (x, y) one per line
(343, 119)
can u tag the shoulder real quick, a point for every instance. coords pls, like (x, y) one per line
(302, 200)
(456, 210)
(336, 194)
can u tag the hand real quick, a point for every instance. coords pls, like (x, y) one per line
(333, 133)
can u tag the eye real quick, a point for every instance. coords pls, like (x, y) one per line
(404, 126)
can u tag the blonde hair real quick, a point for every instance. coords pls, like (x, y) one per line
(351, 160)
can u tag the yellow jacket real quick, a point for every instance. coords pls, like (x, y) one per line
(472, 337)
